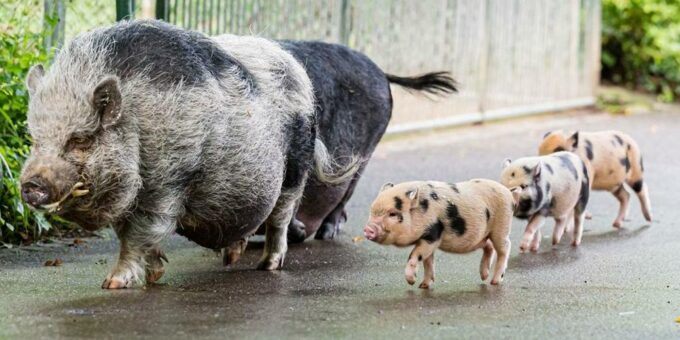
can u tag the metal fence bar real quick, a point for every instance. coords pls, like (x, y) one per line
(510, 56)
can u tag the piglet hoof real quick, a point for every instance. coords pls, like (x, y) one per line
(534, 248)
(588, 215)
(617, 224)
(495, 282)
(484, 275)
(271, 262)
(425, 285)
(523, 248)
(575, 243)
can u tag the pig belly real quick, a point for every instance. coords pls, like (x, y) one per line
(468, 242)
(606, 179)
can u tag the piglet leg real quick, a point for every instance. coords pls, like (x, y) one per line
(487, 257)
(560, 226)
(623, 197)
(428, 265)
(501, 243)
(535, 223)
(422, 250)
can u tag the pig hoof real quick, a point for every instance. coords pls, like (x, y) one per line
(296, 231)
(233, 252)
(271, 262)
(327, 231)
(154, 275)
(411, 280)
(425, 285)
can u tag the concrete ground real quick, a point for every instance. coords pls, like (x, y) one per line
(617, 284)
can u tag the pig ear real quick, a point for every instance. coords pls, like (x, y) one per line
(386, 186)
(35, 75)
(573, 140)
(106, 100)
(507, 162)
(412, 194)
(537, 170)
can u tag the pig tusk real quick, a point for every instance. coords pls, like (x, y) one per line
(74, 192)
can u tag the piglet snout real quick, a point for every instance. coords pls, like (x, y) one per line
(371, 232)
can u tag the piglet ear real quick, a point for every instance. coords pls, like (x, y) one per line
(412, 194)
(547, 134)
(106, 101)
(386, 186)
(573, 140)
(35, 75)
(507, 162)
(537, 170)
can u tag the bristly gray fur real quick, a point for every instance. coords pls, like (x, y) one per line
(205, 156)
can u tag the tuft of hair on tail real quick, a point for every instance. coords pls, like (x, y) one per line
(327, 171)
(436, 83)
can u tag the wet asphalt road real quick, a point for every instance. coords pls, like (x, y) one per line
(618, 284)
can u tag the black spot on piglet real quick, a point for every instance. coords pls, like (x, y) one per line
(424, 204)
(637, 186)
(488, 215)
(625, 162)
(434, 195)
(433, 232)
(398, 203)
(456, 222)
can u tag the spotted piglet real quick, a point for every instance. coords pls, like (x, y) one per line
(557, 185)
(456, 218)
(614, 160)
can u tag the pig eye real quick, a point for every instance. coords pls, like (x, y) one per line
(79, 143)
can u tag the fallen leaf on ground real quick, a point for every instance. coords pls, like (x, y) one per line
(677, 319)
(357, 239)
(54, 263)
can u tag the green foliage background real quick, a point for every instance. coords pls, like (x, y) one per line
(641, 45)
(21, 46)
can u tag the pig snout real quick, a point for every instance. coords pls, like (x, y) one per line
(372, 232)
(35, 192)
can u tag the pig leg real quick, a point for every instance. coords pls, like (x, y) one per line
(428, 265)
(421, 251)
(139, 243)
(154, 264)
(276, 228)
(560, 224)
(233, 252)
(486, 259)
(535, 223)
(536, 242)
(332, 223)
(579, 216)
(642, 192)
(501, 243)
(623, 196)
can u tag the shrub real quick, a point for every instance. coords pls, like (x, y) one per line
(21, 46)
(641, 45)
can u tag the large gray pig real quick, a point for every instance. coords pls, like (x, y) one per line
(153, 129)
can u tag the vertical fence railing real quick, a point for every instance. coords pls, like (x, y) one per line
(511, 57)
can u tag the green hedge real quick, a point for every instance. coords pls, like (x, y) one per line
(21, 46)
(641, 45)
